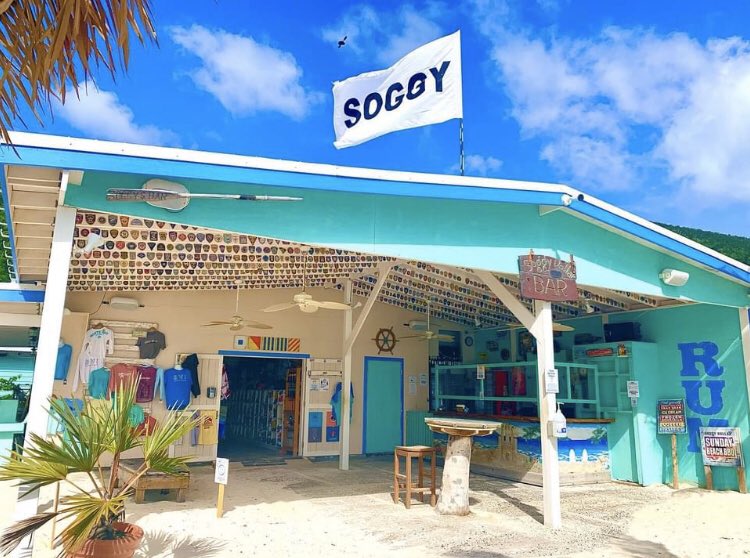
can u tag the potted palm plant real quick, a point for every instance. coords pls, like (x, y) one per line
(93, 515)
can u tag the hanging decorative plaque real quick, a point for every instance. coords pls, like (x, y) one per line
(547, 278)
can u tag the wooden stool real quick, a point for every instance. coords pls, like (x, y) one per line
(404, 482)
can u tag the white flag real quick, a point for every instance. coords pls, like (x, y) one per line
(422, 88)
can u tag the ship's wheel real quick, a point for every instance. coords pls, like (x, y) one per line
(385, 340)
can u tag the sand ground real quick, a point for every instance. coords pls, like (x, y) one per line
(314, 510)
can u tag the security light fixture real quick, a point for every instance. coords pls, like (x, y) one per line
(93, 242)
(674, 277)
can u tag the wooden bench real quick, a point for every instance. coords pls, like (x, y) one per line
(153, 480)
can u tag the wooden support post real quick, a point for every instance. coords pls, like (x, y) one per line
(741, 480)
(55, 508)
(547, 408)
(220, 502)
(675, 464)
(351, 331)
(709, 477)
(346, 382)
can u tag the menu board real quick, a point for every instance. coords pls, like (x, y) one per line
(721, 447)
(670, 416)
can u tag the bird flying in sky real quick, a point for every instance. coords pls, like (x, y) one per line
(342, 42)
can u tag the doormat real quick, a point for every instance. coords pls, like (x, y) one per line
(263, 461)
(322, 458)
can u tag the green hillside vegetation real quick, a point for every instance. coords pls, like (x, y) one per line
(737, 247)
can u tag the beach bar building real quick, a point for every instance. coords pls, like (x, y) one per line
(401, 301)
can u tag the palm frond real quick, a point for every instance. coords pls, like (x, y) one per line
(48, 47)
(172, 428)
(124, 435)
(32, 470)
(162, 463)
(13, 535)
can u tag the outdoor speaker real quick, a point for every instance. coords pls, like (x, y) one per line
(625, 331)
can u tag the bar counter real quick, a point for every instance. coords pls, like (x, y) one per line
(514, 450)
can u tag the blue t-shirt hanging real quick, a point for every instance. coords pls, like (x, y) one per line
(177, 383)
(64, 353)
(98, 383)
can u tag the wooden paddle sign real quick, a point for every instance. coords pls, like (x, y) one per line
(547, 278)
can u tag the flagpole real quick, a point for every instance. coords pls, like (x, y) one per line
(461, 144)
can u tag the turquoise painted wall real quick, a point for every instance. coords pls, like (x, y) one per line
(476, 234)
(680, 332)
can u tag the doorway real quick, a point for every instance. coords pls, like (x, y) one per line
(260, 417)
(384, 404)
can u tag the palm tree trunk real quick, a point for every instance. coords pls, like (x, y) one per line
(454, 494)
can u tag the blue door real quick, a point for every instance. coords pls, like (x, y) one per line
(384, 404)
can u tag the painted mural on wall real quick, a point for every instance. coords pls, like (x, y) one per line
(517, 446)
(704, 387)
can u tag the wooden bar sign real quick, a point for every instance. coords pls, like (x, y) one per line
(547, 278)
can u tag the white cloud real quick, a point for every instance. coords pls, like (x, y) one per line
(480, 165)
(101, 115)
(385, 36)
(628, 104)
(246, 76)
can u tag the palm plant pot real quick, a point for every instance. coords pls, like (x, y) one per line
(123, 547)
(8, 410)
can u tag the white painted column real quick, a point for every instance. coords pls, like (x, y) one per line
(745, 338)
(346, 381)
(547, 407)
(46, 357)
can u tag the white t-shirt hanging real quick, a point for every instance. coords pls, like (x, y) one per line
(97, 344)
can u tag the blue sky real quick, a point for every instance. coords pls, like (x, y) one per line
(643, 104)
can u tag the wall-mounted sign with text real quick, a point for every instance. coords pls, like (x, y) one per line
(547, 278)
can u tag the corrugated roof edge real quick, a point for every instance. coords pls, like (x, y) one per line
(582, 203)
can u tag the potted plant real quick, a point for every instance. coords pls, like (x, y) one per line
(94, 514)
(9, 399)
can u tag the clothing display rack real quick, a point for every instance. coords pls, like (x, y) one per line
(256, 415)
(290, 412)
(126, 336)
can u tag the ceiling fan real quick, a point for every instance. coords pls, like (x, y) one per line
(428, 334)
(305, 301)
(173, 196)
(238, 322)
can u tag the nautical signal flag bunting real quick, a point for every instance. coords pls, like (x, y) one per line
(422, 88)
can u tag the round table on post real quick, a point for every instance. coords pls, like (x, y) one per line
(454, 492)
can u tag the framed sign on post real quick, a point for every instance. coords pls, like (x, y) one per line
(221, 477)
(670, 419)
(721, 447)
